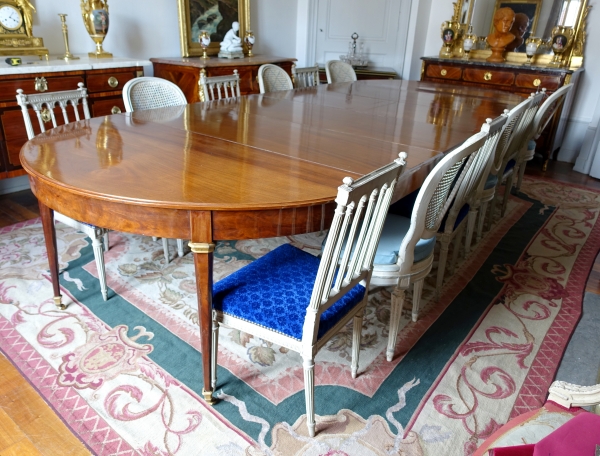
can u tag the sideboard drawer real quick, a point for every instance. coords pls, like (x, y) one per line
(442, 71)
(493, 77)
(108, 81)
(107, 106)
(8, 89)
(536, 81)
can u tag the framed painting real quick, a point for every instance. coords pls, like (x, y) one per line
(213, 16)
(531, 8)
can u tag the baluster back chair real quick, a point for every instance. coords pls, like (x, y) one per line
(338, 71)
(43, 105)
(273, 78)
(405, 252)
(305, 77)
(219, 87)
(296, 300)
(149, 93)
(542, 118)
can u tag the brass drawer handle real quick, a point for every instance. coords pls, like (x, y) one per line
(113, 82)
(41, 85)
(444, 72)
(115, 110)
(46, 115)
(487, 76)
(536, 82)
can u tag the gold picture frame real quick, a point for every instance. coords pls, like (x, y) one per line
(193, 11)
(530, 7)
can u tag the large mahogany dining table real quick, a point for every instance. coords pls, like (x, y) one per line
(258, 166)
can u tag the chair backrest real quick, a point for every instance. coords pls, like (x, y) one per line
(548, 109)
(219, 87)
(437, 195)
(474, 179)
(149, 93)
(358, 220)
(272, 78)
(49, 100)
(338, 71)
(305, 77)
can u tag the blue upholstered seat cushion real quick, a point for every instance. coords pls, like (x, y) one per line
(459, 218)
(394, 230)
(274, 292)
(531, 145)
(491, 181)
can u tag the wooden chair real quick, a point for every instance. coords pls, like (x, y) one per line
(338, 71)
(305, 77)
(44, 105)
(149, 93)
(456, 219)
(294, 299)
(405, 252)
(219, 87)
(273, 78)
(542, 118)
(518, 139)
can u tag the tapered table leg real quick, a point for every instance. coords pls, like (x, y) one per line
(202, 247)
(47, 215)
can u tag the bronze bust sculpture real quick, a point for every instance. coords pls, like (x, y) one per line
(501, 37)
(519, 29)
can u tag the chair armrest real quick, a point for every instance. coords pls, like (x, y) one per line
(569, 395)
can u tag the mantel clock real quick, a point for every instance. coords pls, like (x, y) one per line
(16, 31)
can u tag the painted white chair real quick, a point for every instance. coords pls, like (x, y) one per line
(305, 77)
(296, 300)
(72, 101)
(542, 118)
(149, 93)
(273, 78)
(456, 219)
(338, 71)
(518, 140)
(405, 252)
(219, 87)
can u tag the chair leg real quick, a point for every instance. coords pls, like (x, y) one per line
(441, 267)
(417, 291)
(457, 237)
(492, 211)
(507, 191)
(180, 247)
(215, 350)
(106, 243)
(356, 336)
(154, 238)
(165, 243)
(480, 220)
(470, 229)
(395, 314)
(521, 173)
(99, 256)
(309, 394)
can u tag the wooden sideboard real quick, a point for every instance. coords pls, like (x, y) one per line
(364, 73)
(104, 80)
(514, 78)
(185, 71)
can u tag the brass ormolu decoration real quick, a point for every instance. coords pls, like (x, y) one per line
(41, 84)
(16, 31)
(201, 247)
(450, 31)
(68, 55)
(95, 18)
(562, 39)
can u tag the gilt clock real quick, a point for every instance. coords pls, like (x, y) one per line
(16, 30)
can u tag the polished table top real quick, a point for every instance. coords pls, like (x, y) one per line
(258, 166)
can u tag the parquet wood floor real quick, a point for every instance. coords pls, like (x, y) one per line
(28, 426)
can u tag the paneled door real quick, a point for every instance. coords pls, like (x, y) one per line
(382, 27)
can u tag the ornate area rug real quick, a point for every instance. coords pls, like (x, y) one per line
(125, 374)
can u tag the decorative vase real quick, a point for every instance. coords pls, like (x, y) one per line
(204, 40)
(249, 39)
(95, 18)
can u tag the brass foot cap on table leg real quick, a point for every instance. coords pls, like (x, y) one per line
(545, 165)
(58, 302)
(208, 397)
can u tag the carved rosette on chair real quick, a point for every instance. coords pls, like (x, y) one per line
(562, 39)
(95, 18)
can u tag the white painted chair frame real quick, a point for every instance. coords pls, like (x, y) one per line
(543, 116)
(340, 270)
(219, 87)
(467, 191)
(273, 78)
(305, 77)
(338, 71)
(569, 395)
(148, 93)
(42, 104)
(432, 203)
(518, 140)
